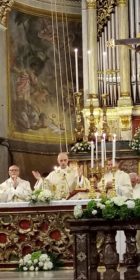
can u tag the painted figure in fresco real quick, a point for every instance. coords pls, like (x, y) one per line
(63, 180)
(14, 188)
(33, 77)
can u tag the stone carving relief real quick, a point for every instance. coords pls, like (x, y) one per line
(5, 8)
(104, 10)
(21, 234)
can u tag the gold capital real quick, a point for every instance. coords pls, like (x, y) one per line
(122, 2)
(91, 4)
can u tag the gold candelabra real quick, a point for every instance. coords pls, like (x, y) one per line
(92, 127)
(105, 127)
(112, 192)
(92, 192)
(103, 191)
(79, 129)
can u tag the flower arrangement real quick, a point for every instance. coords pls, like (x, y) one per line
(113, 208)
(81, 147)
(41, 195)
(135, 143)
(38, 261)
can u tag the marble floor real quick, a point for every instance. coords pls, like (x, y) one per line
(53, 275)
(48, 275)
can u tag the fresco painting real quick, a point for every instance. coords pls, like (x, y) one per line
(42, 71)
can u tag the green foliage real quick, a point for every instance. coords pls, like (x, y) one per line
(135, 143)
(113, 208)
(35, 255)
(109, 212)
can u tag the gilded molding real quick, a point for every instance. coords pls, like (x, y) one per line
(5, 9)
(122, 2)
(104, 10)
(125, 94)
(91, 4)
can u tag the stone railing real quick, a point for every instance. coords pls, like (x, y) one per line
(88, 257)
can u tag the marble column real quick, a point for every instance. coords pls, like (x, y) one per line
(92, 48)
(85, 50)
(124, 59)
(3, 105)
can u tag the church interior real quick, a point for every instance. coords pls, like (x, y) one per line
(69, 83)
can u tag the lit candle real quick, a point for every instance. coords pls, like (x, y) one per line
(113, 150)
(92, 154)
(89, 71)
(96, 145)
(104, 70)
(104, 138)
(76, 69)
(102, 153)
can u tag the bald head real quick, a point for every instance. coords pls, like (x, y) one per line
(62, 160)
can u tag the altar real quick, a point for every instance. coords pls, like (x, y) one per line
(25, 228)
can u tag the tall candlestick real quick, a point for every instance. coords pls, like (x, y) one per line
(104, 140)
(96, 145)
(102, 153)
(92, 154)
(113, 150)
(104, 69)
(76, 69)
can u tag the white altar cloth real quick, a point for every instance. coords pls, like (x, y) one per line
(62, 202)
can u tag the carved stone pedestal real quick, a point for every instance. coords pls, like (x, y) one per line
(87, 261)
(131, 257)
(111, 258)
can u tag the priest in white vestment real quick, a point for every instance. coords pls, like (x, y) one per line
(64, 180)
(135, 185)
(15, 188)
(122, 180)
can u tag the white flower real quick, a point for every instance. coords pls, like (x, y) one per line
(25, 268)
(44, 195)
(130, 204)
(35, 261)
(100, 205)
(94, 212)
(48, 265)
(33, 197)
(78, 211)
(29, 262)
(44, 257)
(119, 200)
(31, 268)
(40, 264)
(27, 258)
